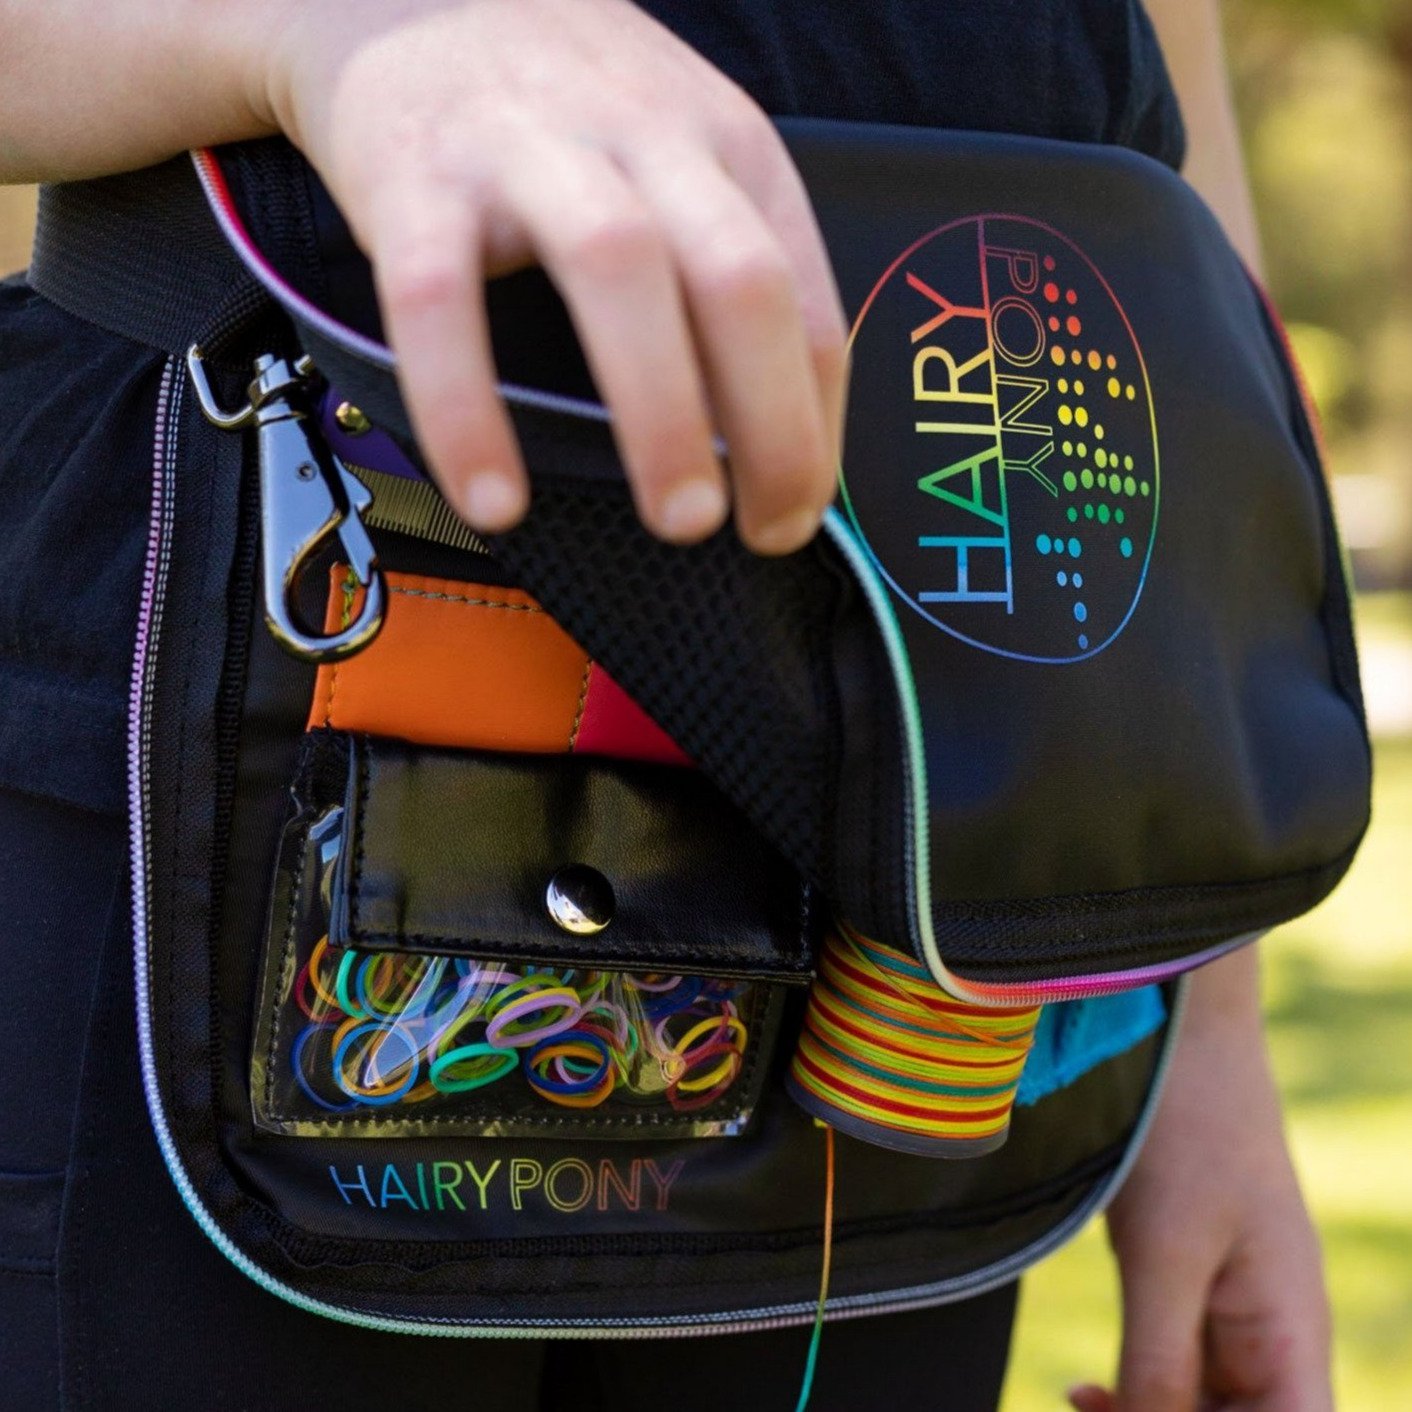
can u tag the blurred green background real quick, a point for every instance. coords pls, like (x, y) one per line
(1325, 93)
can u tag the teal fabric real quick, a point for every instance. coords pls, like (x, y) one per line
(1075, 1036)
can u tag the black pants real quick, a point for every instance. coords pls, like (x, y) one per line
(110, 1296)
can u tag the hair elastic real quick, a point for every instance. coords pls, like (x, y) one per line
(505, 1025)
(301, 1042)
(501, 1061)
(377, 1094)
(720, 1079)
(462, 1025)
(586, 1091)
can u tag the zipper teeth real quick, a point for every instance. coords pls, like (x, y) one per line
(1104, 983)
(918, 837)
(415, 507)
(150, 611)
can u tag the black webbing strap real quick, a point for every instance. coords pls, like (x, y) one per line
(141, 256)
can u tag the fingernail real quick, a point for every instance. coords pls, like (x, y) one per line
(786, 534)
(491, 501)
(692, 511)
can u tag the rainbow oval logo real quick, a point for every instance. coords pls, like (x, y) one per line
(1000, 461)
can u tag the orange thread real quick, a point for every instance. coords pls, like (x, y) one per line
(583, 701)
(345, 617)
(812, 1361)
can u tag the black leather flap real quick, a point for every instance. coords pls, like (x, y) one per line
(454, 851)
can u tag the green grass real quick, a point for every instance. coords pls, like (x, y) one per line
(1338, 986)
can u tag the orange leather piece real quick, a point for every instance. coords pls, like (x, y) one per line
(456, 664)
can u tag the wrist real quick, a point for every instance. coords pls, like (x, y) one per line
(216, 61)
(296, 67)
(1226, 994)
(245, 50)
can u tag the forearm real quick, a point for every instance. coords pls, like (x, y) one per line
(1222, 1051)
(1190, 31)
(92, 86)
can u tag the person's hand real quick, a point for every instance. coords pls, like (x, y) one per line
(1223, 1298)
(465, 140)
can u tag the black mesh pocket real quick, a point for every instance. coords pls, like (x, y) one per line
(768, 672)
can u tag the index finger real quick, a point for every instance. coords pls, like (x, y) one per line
(427, 262)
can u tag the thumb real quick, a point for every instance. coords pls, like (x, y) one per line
(1164, 1306)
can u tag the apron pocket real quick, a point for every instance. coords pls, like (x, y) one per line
(512, 945)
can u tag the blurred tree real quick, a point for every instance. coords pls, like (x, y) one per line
(1324, 89)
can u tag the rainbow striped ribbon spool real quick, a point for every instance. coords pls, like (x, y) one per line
(887, 1056)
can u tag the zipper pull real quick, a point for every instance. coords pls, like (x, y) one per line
(306, 494)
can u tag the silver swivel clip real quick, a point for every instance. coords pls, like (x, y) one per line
(306, 494)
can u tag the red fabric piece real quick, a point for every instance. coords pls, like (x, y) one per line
(613, 723)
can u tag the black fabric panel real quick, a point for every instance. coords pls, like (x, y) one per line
(76, 409)
(139, 255)
(450, 851)
(1007, 940)
(29, 1338)
(49, 951)
(741, 1230)
(890, 1361)
(1200, 769)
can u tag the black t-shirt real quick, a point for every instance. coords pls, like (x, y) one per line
(77, 405)
(1083, 70)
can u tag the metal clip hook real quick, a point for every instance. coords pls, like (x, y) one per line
(306, 494)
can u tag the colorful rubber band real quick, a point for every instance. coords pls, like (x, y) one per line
(505, 1029)
(379, 1095)
(501, 1062)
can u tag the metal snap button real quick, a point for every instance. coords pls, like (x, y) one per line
(579, 899)
(352, 419)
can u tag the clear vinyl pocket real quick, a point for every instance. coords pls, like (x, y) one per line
(541, 973)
